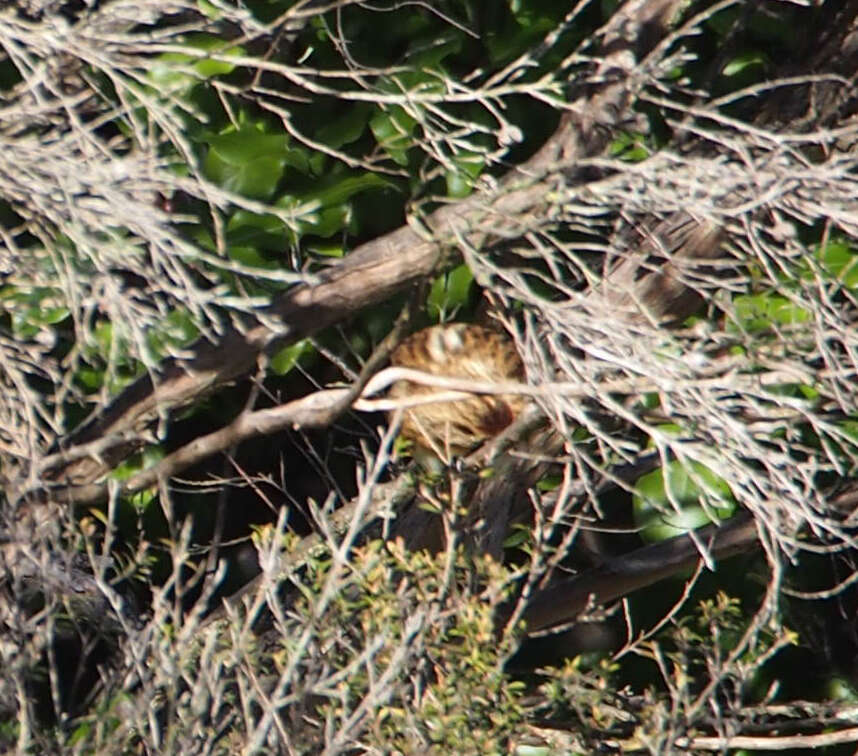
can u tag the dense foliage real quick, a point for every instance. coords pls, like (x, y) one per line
(214, 214)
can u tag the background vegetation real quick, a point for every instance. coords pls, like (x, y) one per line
(217, 218)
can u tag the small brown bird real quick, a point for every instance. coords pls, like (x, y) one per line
(458, 350)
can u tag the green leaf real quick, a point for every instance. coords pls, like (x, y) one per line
(251, 163)
(759, 312)
(460, 181)
(743, 62)
(327, 250)
(392, 129)
(346, 187)
(850, 429)
(450, 292)
(333, 211)
(176, 329)
(150, 456)
(248, 232)
(104, 335)
(175, 71)
(251, 257)
(550, 483)
(517, 537)
(629, 147)
(329, 221)
(89, 379)
(172, 72)
(458, 185)
(347, 128)
(839, 260)
(209, 10)
(288, 357)
(33, 309)
(841, 689)
(670, 501)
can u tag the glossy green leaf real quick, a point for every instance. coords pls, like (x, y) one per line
(145, 459)
(327, 250)
(517, 537)
(288, 357)
(333, 211)
(629, 147)
(346, 187)
(32, 309)
(104, 335)
(209, 10)
(850, 429)
(841, 689)
(458, 185)
(247, 233)
(392, 129)
(759, 312)
(251, 163)
(89, 379)
(250, 256)
(793, 390)
(744, 61)
(839, 259)
(550, 482)
(328, 221)
(450, 292)
(460, 181)
(216, 65)
(688, 485)
(175, 71)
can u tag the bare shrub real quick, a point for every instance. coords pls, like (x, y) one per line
(213, 214)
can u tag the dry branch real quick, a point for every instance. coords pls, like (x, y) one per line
(379, 269)
(626, 316)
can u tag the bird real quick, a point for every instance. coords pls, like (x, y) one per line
(458, 350)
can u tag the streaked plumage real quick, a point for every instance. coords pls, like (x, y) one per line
(458, 350)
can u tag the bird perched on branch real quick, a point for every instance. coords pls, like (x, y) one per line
(458, 350)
